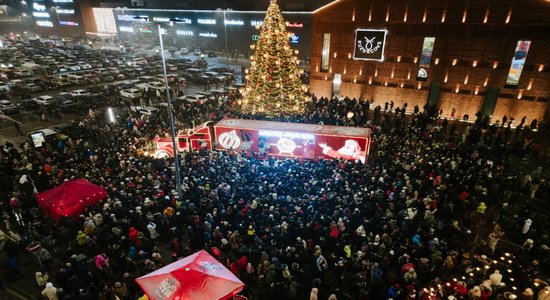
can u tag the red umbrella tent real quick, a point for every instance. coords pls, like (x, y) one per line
(196, 277)
(70, 198)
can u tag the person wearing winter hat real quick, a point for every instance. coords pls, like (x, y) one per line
(50, 292)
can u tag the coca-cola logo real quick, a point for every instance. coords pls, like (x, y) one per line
(166, 288)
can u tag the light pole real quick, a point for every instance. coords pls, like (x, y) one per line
(170, 113)
(225, 35)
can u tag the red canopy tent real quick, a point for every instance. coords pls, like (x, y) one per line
(70, 198)
(196, 277)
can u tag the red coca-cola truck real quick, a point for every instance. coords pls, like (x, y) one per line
(267, 138)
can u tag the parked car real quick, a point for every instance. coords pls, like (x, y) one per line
(44, 100)
(28, 104)
(77, 93)
(66, 106)
(157, 85)
(147, 111)
(195, 98)
(8, 108)
(131, 93)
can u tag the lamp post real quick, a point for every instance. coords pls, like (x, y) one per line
(170, 114)
(225, 35)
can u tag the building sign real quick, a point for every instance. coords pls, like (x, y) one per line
(68, 23)
(369, 44)
(208, 34)
(184, 21)
(295, 25)
(40, 14)
(233, 22)
(104, 20)
(62, 11)
(126, 29)
(255, 37)
(184, 32)
(255, 23)
(62, 1)
(325, 52)
(518, 61)
(158, 19)
(422, 74)
(127, 18)
(44, 23)
(427, 50)
(207, 21)
(38, 7)
(294, 39)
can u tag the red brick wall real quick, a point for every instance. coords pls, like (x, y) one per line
(491, 42)
(518, 108)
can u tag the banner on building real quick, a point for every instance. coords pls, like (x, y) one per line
(325, 52)
(369, 44)
(518, 61)
(425, 58)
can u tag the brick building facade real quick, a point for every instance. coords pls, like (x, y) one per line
(475, 42)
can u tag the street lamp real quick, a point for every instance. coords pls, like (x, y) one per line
(170, 113)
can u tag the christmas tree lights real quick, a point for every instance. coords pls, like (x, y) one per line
(273, 84)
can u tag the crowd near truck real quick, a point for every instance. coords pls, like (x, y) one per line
(267, 138)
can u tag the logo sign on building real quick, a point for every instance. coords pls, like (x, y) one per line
(38, 7)
(68, 23)
(255, 37)
(294, 39)
(518, 61)
(369, 44)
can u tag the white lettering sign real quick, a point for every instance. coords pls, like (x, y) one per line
(38, 7)
(157, 19)
(184, 32)
(65, 11)
(286, 134)
(233, 22)
(256, 23)
(208, 34)
(206, 21)
(44, 23)
(184, 21)
(126, 29)
(62, 1)
(40, 14)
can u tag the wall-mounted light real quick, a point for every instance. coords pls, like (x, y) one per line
(540, 68)
(392, 72)
(530, 85)
(409, 75)
(415, 59)
(419, 85)
(398, 59)
(370, 80)
(436, 61)
(406, 14)
(464, 15)
(454, 61)
(446, 77)
(457, 89)
(486, 81)
(476, 91)
(388, 14)
(520, 94)
(466, 79)
(474, 63)
(486, 17)
(425, 15)
(495, 64)
(508, 16)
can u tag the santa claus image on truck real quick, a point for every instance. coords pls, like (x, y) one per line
(350, 151)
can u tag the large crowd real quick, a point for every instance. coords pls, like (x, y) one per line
(421, 219)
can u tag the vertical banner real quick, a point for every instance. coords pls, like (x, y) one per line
(425, 58)
(325, 52)
(369, 44)
(518, 61)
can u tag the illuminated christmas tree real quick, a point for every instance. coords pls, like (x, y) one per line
(273, 82)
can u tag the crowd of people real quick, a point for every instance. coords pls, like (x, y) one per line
(422, 218)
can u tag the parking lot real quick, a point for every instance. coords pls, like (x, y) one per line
(44, 82)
